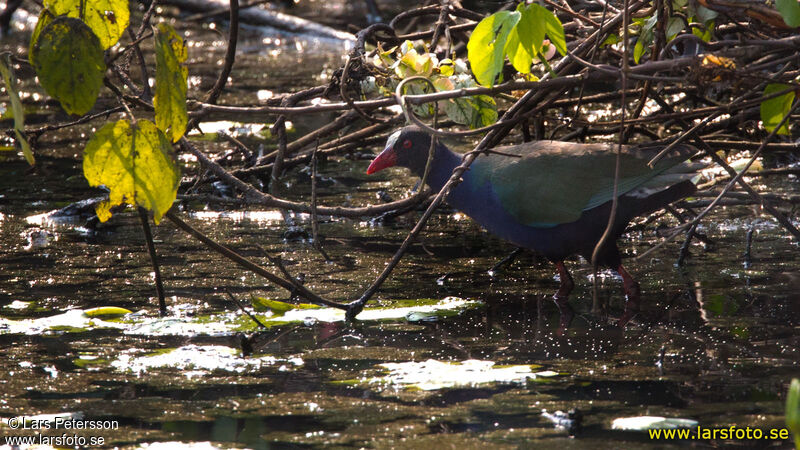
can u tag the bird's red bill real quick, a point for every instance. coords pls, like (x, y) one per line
(387, 158)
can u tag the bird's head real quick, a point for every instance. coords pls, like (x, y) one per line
(407, 147)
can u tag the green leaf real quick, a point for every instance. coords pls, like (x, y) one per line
(518, 53)
(486, 46)
(170, 97)
(674, 26)
(107, 18)
(554, 29)
(525, 39)
(532, 27)
(136, 163)
(476, 111)
(419, 87)
(106, 311)
(16, 108)
(446, 69)
(773, 110)
(790, 11)
(485, 111)
(611, 40)
(69, 62)
(384, 58)
(45, 17)
(638, 51)
(277, 308)
(793, 411)
(645, 38)
(705, 33)
(704, 14)
(413, 64)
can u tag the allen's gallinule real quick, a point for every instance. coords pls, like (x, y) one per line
(553, 197)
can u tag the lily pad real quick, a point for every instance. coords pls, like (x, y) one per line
(641, 423)
(432, 374)
(277, 308)
(198, 360)
(107, 311)
(72, 320)
(445, 306)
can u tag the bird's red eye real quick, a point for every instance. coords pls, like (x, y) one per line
(407, 143)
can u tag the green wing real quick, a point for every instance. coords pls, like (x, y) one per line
(554, 182)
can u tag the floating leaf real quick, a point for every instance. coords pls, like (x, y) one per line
(774, 109)
(136, 163)
(641, 423)
(108, 19)
(200, 359)
(486, 45)
(277, 308)
(106, 311)
(433, 374)
(73, 320)
(170, 97)
(16, 108)
(69, 62)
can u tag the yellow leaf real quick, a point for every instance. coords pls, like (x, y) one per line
(136, 163)
(106, 311)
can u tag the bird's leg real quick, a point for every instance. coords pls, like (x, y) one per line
(562, 296)
(507, 260)
(633, 295)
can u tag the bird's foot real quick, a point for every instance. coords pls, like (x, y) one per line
(633, 297)
(630, 312)
(561, 297)
(566, 314)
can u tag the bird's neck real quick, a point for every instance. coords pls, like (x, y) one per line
(444, 161)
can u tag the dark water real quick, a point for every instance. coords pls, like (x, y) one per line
(716, 342)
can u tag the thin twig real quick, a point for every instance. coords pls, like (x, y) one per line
(151, 249)
(230, 54)
(251, 266)
(244, 310)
